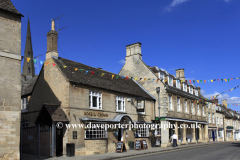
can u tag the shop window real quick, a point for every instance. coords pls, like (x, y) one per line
(95, 100)
(96, 131)
(220, 134)
(120, 104)
(142, 132)
(229, 135)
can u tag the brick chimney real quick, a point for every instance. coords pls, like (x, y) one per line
(134, 49)
(52, 37)
(180, 74)
(224, 102)
(215, 100)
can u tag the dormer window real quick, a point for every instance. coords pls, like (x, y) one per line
(161, 75)
(178, 84)
(170, 81)
(185, 87)
(191, 89)
(196, 92)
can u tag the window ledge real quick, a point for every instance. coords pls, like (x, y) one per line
(143, 113)
(96, 109)
(171, 110)
(121, 111)
(25, 110)
(179, 111)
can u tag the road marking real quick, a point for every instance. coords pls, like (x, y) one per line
(166, 151)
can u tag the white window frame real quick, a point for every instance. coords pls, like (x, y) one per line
(178, 84)
(203, 111)
(185, 87)
(24, 104)
(142, 132)
(161, 75)
(198, 113)
(99, 99)
(186, 110)
(171, 82)
(192, 107)
(96, 132)
(170, 102)
(209, 118)
(191, 89)
(213, 106)
(213, 118)
(141, 105)
(122, 101)
(196, 92)
(221, 121)
(178, 104)
(217, 120)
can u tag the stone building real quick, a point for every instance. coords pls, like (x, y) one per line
(10, 82)
(65, 92)
(179, 100)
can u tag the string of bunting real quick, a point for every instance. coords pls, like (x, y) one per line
(117, 76)
(34, 60)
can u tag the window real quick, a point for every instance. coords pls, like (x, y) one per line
(28, 70)
(142, 132)
(96, 131)
(170, 101)
(95, 100)
(191, 89)
(221, 121)
(186, 106)
(162, 76)
(213, 118)
(220, 134)
(228, 121)
(192, 108)
(213, 106)
(235, 124)
(198, 109)
(217, 121)
(178, 103)
(185, 87)
(203, 111)
(209, 118)
(229, 135)
(170, 81)
(120, 104)
(220, 108)
(178, 84)
(196, 92)
(24, 104)
(188, 130)
(140, 106)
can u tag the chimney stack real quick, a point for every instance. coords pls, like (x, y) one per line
(224, 102)
(180, 74)
(134, 49)
(52, 37)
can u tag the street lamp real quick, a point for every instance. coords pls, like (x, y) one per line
(158, 92)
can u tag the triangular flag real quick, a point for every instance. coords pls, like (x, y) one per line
(194, 81)
(149, 78)
(225, 80)
(144, 79)
(112, 76)
(28, 59)
(80, 69)
(126, 78)
(76, 69)
(197, 81)
(53, 64)
(158, 79)
(222, 80)
(231, 79)
(122, 77)
(102, 74)
(211, 80)
(86, 71)
(117, 77)
(218, 79)
(190, 81)
(201, 81)
(47, 63)
(64, 66)
(34, 60)
(139, 79)
(165, 81)
(135, 79)
(228, 80)
(41, 62)
(181, 81)
(92, 73)
(204, 81)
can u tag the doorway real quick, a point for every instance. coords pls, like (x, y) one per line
(59, 142)
(120, 134)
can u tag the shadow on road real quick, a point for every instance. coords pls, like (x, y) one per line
(236, 144)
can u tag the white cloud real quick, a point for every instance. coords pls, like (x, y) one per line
(230, 100)
(162, 69)
(174, 3)
(121, 61)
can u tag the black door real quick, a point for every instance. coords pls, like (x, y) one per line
(119, 134)
(59, 142)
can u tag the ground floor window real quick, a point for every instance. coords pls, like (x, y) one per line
(220, 134)
(142, 132)
(96, 131)
(229, 134)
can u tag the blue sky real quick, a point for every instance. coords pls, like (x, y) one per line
(201, 36)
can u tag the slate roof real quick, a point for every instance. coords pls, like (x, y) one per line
(105, 82)
(28, 90)
(51, 113)
(7, 5)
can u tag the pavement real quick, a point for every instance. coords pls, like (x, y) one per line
(128, 154)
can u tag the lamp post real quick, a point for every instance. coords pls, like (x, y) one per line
(158, 92)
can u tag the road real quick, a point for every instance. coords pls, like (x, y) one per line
(223, 151)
